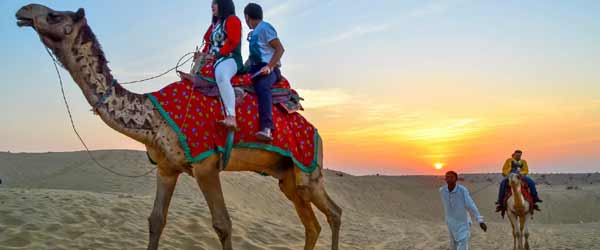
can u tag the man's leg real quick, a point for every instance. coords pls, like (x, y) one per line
(533, 189)
(501, 193)
(453, 243)
(463, 244)
(263, 87)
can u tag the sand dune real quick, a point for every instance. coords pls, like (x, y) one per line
(62, 201)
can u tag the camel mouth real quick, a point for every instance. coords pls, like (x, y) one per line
(24, 22)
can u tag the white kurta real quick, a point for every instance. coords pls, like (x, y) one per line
(456, 205)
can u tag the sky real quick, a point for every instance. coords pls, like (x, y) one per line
(393, 86)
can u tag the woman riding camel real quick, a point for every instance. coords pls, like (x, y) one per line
(222, 41)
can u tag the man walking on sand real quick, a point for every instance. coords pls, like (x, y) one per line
(457, 202)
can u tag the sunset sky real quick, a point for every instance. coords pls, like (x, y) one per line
(393, 86)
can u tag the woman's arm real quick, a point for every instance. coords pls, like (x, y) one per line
(233, 28)
(207, 39)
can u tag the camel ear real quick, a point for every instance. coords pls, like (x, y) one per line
(80, 14)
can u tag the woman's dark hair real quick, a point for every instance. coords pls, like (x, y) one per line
(253, 11)
(226, 8)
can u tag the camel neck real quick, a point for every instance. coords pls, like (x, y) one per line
(518, 196)
(124, 111)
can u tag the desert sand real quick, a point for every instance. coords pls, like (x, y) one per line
(63, 201)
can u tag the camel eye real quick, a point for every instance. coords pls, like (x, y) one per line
(54, 18)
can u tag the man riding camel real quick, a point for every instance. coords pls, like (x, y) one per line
(512, 165)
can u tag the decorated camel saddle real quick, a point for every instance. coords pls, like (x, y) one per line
(526, 194)
(192, 107)
(203, 78)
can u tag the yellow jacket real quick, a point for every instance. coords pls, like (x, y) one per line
(507, 167)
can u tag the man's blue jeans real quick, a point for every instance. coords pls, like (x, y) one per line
(263, 85)
(504, 186)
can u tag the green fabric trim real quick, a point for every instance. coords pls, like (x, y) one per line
(210, 80)
(308, 169)
(167, 117)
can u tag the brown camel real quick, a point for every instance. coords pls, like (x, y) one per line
(70, 38)
(518, 210)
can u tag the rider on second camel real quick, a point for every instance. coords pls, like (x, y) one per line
(512, 165)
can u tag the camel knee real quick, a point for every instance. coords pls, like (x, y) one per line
(313, 232)
(335, 218)
(223, 229)
(303, 192)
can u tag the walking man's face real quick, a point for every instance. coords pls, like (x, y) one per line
(450, 179)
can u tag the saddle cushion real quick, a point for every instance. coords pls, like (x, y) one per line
(194, 118)
(283, 94)
(526, 194)
(207, 72)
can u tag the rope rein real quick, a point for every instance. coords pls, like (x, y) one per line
(56, 63)
(483, 188)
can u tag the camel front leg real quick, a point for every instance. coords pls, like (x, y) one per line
(207, 176)
(514, 226)
(165, 185)
(526, 237)
(524, 232)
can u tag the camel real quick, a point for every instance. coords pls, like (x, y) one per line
(518, 210)
(69, 37)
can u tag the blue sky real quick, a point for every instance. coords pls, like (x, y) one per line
(412, 67)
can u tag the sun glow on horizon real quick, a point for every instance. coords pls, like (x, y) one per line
(438, 165)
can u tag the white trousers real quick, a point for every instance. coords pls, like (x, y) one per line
(459, 245)
(224, 71)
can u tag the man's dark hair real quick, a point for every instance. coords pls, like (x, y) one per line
(226, 9)
(518, 151)
(253, 11)
(452, 173)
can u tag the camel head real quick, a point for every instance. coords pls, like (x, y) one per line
(58, 30)
(514, 179)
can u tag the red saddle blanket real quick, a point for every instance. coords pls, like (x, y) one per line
(526, 194)
(194, 118)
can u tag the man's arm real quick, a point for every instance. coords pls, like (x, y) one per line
(524, 168)
(472, 208)
(270, 35)
(276, 44)
(506, 168)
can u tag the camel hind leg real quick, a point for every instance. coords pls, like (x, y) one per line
(303, 207)
(323, 202)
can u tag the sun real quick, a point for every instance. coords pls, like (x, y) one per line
(438, 165)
